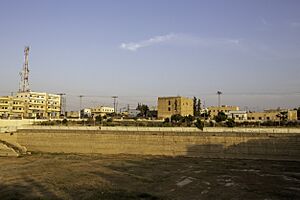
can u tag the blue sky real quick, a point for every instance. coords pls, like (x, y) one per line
(138, 50)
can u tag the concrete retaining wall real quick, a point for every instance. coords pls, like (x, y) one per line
(250, 130)
(276, 146)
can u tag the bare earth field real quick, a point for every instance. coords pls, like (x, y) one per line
(73, 176)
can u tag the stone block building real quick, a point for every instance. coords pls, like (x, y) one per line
(168, 106)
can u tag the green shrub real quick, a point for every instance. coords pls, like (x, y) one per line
(199, 124)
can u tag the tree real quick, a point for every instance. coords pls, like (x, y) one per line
(144, 109)
(166, 120)
(176, 118)
(98, 118)
(230, 123)
(282, 115)
(205, 114)
(188, 120)
(194, 106)
(198, 110)
(65, 121)
(221, 117)
(199, 124)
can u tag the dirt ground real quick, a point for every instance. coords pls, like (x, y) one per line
(70, 176)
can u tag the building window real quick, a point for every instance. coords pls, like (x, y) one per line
(169, 109)
(169, 102)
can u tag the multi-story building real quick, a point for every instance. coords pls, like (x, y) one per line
(11, 106)
(168, 106)
(101, 111)
(30, 105)
(214, 110)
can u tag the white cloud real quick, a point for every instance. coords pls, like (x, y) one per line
(133, 46)
(180, 39)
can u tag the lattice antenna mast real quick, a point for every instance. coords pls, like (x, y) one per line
(24, 83)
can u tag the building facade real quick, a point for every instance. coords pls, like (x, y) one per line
(30, 105)
(292, 115)
(272, 115)
(238, 115)
(214, 110)
(168, 106)
(101, 111)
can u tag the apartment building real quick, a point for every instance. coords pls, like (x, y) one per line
(168, 106)
(30, 105)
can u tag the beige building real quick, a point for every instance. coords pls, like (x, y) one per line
(271, 115)
(292, 115)
(238, 115)
(168, 106)
(263, 116)
(72, 114)
(214, 110)
(101, 111)
(30, 105)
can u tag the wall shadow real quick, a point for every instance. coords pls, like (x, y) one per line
(272, 148)
(28, 189)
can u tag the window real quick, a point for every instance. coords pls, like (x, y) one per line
(259, 118)
(169, 102)
(169, 109)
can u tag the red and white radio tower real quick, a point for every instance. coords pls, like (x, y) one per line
(24, 83)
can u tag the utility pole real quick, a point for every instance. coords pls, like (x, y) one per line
(115, 103)
(24, 82)
(219, 98)
(80, 105)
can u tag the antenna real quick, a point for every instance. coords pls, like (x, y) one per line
(219, 98)
(62, 103)
(24, 83)
(115, 105)
(80, 102)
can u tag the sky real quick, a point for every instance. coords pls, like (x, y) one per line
(139, 50)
